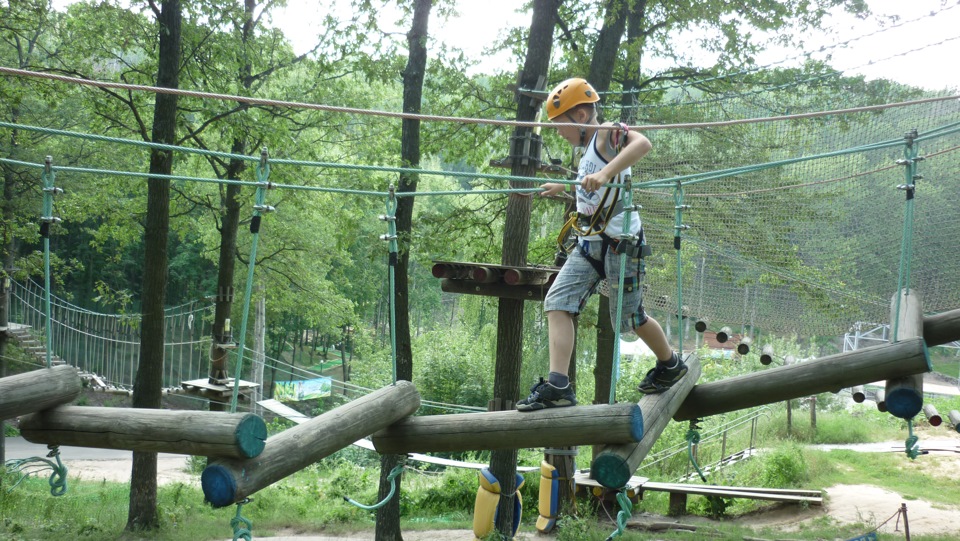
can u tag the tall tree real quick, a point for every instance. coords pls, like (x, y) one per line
(147, 385)
(388, 516)
(516, 237)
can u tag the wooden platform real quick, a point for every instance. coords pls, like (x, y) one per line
(679, 492)
(493, 280)
(203, 387)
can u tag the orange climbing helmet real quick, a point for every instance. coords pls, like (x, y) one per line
(569, 94)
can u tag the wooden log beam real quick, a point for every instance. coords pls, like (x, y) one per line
(954, 417)
(226, 481)
(905, 393)
(38, 390)
(942, 328)
(200, 433)
(826, 374)
(614, 464)
(555, 427)
(500, 290)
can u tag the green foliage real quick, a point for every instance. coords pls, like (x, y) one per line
(784, 467)
(454, 491)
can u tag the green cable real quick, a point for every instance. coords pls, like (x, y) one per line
(678, 227)
(392, 476)
(627, 211)
(909, 162)
(48, 176)
(391, 237)
(263, 174)
(242, 527)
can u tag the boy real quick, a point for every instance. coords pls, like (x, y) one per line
(608, 155)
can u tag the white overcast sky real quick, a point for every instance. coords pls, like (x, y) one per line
(923, 53)
(934, 41)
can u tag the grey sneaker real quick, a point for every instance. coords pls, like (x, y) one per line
(660, 378)
(544, 395)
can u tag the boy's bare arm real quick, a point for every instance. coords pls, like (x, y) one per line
(637, 147)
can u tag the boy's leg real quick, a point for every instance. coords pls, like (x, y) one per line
(555, 391)
(567, 295)
(653, 336)
(669, 368)
(561, 332)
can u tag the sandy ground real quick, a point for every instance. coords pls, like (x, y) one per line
(845, 504)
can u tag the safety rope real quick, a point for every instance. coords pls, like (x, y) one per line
(912, 443)
(242, 527)
(679, 227)
(661, 183)
(57, 479)
(626, 506)
(693, 438)
(909, 161)
(416, 116)
(392, 476)
(46, 220)
(628, 208)
(391, 237)
(263, 184)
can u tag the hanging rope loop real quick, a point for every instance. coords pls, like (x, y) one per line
(242, 527)
(626, 506)
(693, 438)
(392, 477)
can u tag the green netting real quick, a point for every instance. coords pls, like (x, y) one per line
(812, 245)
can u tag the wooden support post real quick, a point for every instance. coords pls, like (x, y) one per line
(615, 464)
(678, 504)
(201, 433)
(954, 416)
(905, 393)
(38, 390)
(552, 427)
(813, 412)
(826, 374)
(226, 481)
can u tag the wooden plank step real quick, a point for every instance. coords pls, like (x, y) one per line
(786, 495)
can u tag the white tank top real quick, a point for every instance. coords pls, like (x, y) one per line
(588, 202)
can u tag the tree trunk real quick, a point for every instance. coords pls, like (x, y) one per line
(516, 237)
(631, 79)
(607, 48)
(388, 516)
(147, 386)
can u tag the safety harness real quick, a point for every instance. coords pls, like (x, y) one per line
(584, 225)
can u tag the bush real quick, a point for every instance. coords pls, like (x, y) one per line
(784, 467)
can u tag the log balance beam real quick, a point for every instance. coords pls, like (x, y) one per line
(200, 433)
(826, 374)
(38, 390)
(495, 430)
(614, 464)
(226, 481)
